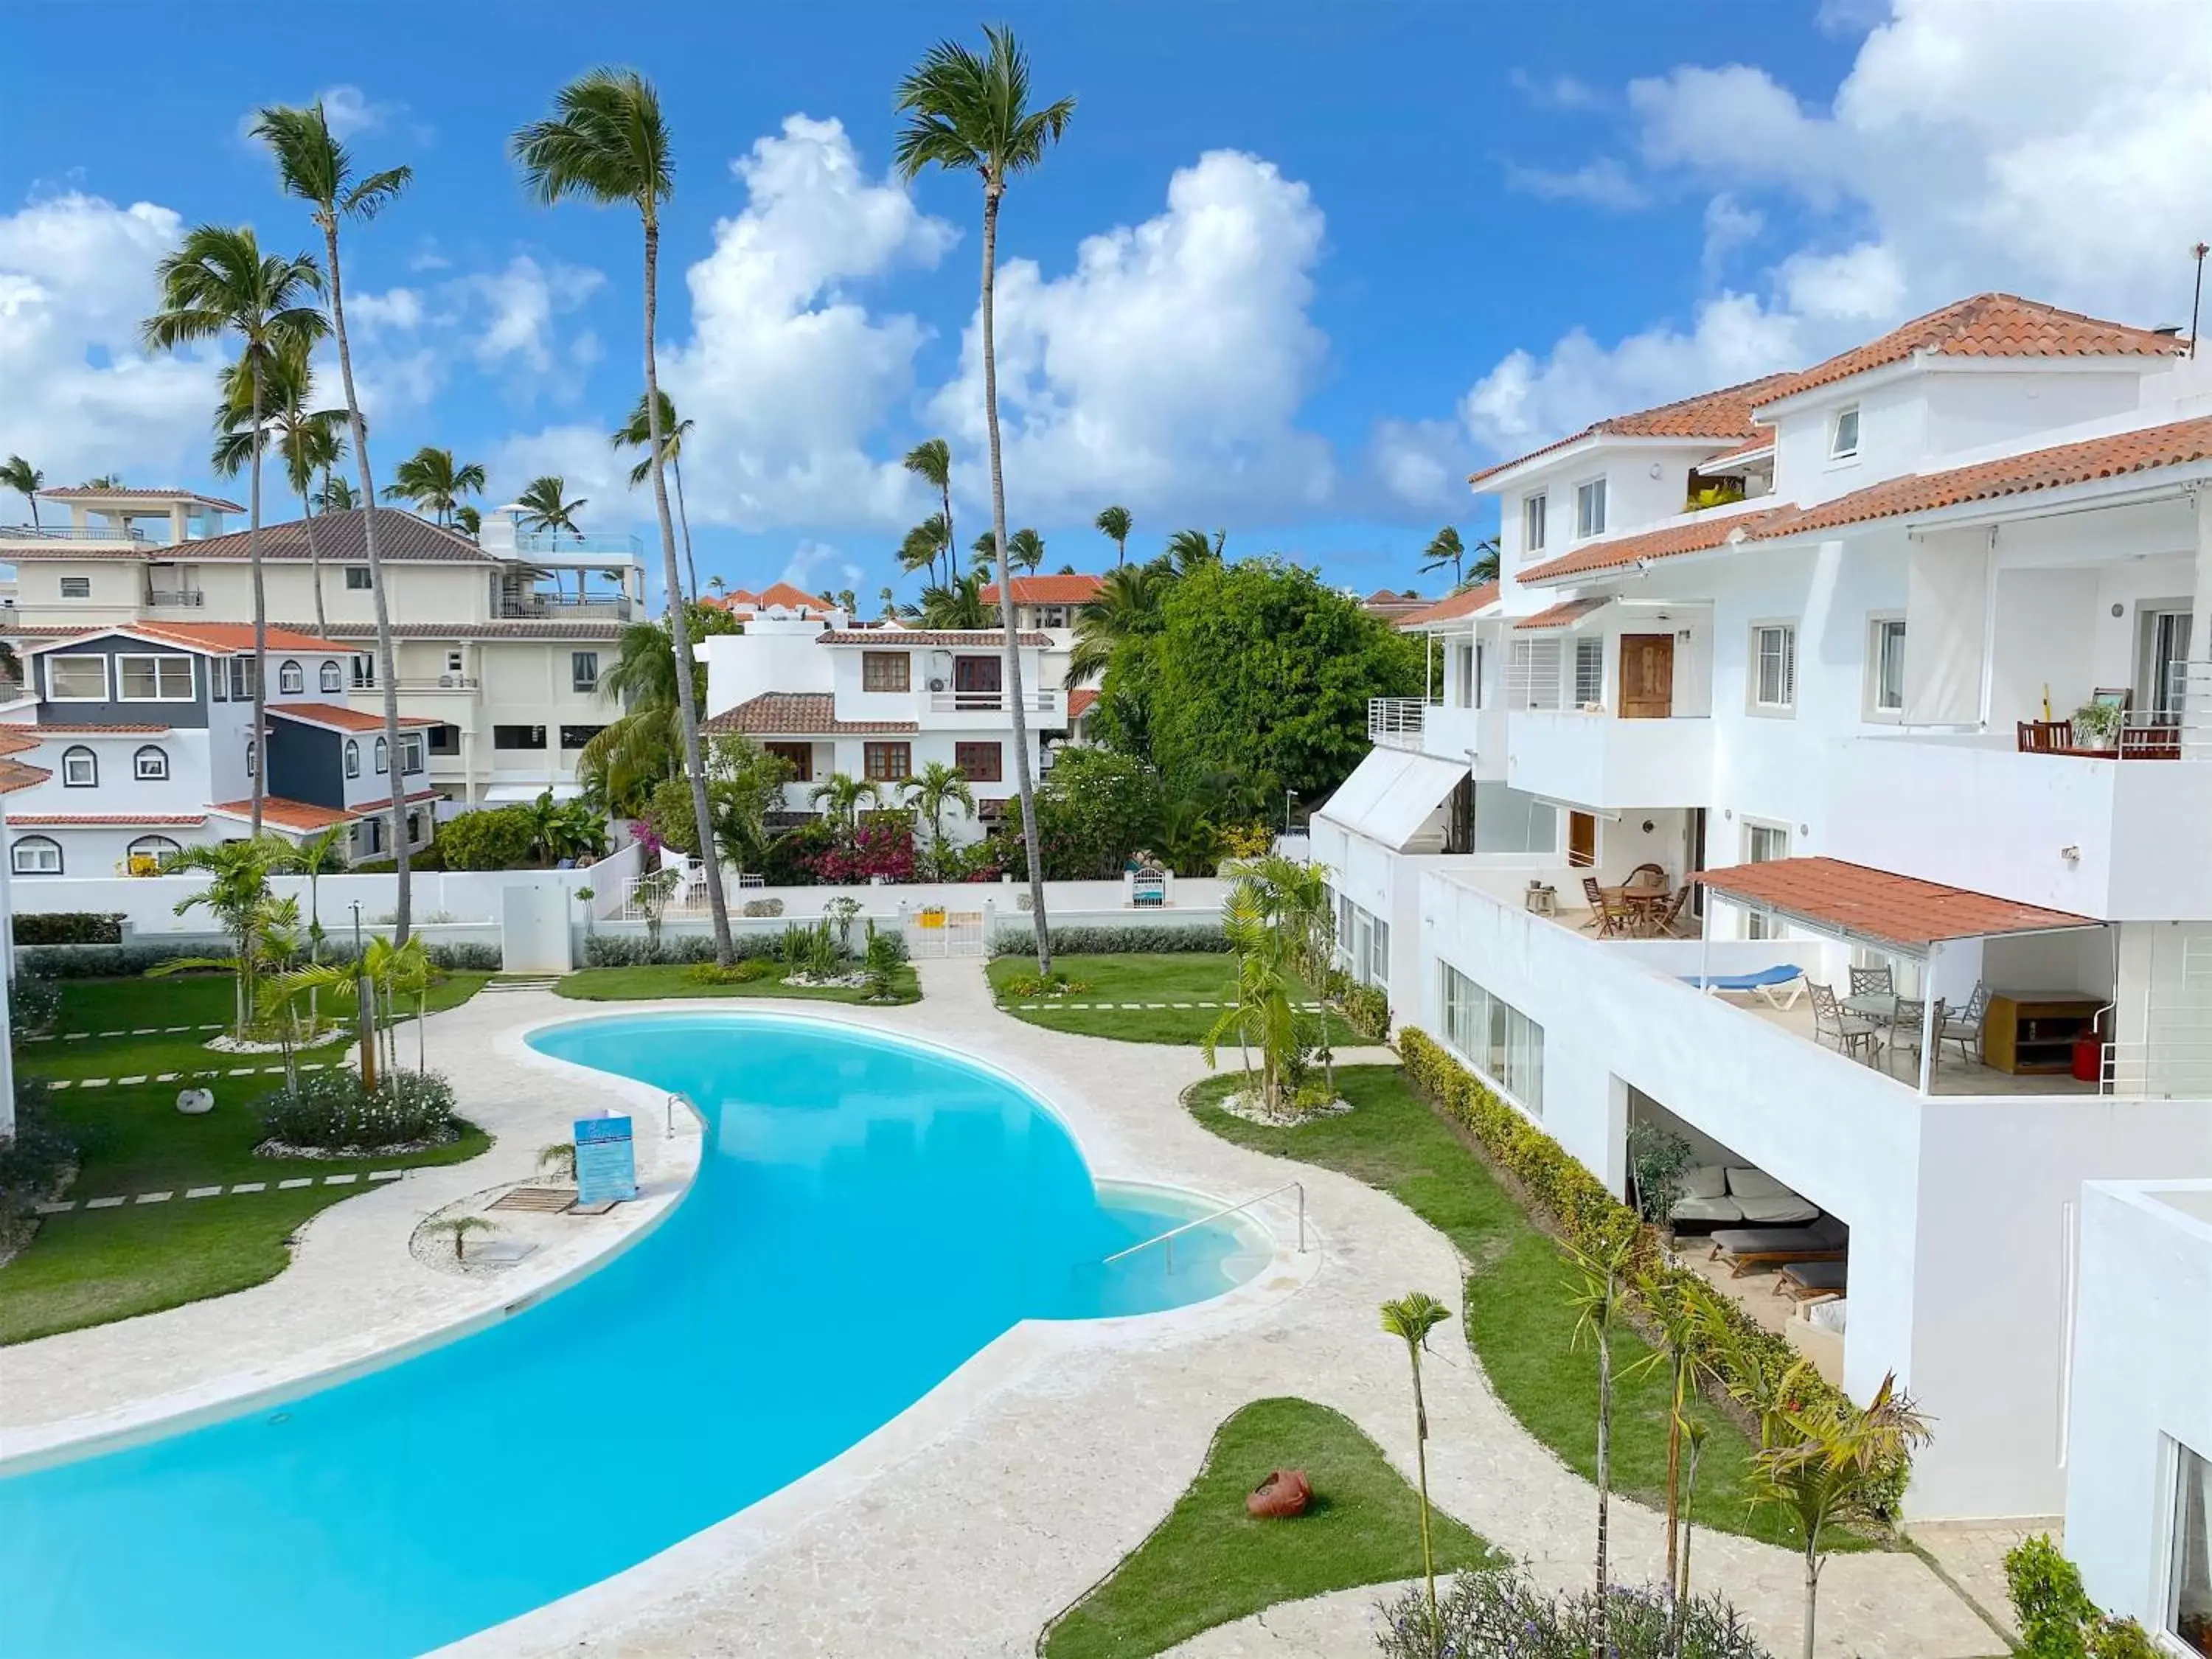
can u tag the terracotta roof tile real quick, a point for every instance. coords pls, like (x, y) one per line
(1707, 531)
(340, 536)
(60, 729)
(51, 820)
(305, 815)
(906, 638)
(87, 492)
(1721, 416)
(562, 629)
(1565, 613)
(788, 595)
(1761, 445)
(1465, 602)
(221, 638)
(14, 774)
(343, 718)
(1080, 702)
(1048, 590)
(798, 714)
(1878, 906)
(1988, 325)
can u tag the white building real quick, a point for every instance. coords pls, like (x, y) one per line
(498, 646)
(1795, 639)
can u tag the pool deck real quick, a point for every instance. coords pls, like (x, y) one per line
(1047, 1456)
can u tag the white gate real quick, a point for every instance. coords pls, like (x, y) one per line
(936, 932)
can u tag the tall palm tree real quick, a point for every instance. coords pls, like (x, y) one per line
(545, 507)
(607, 143)
(968, 111)
(1444, 548)
(218, 283)
(933, 790)
(1116, 524)
(1026, 549)
(643, 747)
(1485, 566)
(920, 547)
(637, 432)
(314, 167)
(1410, 1318)
(1128, 605)
(1187, 549)
(27, 481)
(435, 483)
(1600, 1295)
(842, 796)
(931, 460)
(306, 441)
(336, 495)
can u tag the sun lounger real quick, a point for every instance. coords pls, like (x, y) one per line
(1745, 1247)
(1767, 981)
(1808, 1280)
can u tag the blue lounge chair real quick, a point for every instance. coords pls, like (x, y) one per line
(1767, 981)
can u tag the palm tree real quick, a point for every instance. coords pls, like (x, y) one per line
(969, 111)
(27, 481)
(637, 432)
(469, 522)
(1116, 524)
(1410, 1318)
(931, 460)
(1444, 548)
(336, 495)
(607, 143)
(237, 895)
(219, 282)
(459, 1228)
(841, 798)
(1680, 1313)
(626, 757)
(313, 165)
(545, 508)
(932, 791)
(919, 549)
(1485, 568)
(1026, 549)
(891, 602)
(1126, 606)
(1188, 548)
(308, 441)
(1598, 1298)
(957, 604)
(103, 480)
(435, 483)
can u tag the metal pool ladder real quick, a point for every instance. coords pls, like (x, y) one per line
(1167, 1239)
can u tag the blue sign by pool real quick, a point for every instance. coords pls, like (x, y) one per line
(606, 1167)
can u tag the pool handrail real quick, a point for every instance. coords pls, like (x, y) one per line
(1168, 1237)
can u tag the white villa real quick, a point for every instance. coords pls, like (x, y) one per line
(1783, 677)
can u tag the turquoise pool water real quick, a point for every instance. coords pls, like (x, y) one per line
(866, 1215)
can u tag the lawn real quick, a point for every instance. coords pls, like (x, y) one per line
(641, 984)
(1158, 982)
(1209, 1561)
(1518, 1320)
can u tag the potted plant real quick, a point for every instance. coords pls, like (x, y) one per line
(2097, 725)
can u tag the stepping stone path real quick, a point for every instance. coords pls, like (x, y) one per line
(65, 1205)
(172, 1077)
(1086, 1007)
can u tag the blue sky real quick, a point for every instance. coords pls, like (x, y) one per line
(1295, 270)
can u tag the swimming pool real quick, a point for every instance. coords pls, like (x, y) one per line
(867, 1214)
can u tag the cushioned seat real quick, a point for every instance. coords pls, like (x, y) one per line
(1706, 1197)
(1764, 1201)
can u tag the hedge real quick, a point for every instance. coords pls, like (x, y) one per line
(640, 950)
(1587, 1217)
(1113, 941)
(69, 928)
(108, 961)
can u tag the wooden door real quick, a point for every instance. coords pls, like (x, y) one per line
(975, 682)
(1647, 676)
(1581, 840)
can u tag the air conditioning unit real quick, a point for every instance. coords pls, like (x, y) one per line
(937, 685)
(446, 680)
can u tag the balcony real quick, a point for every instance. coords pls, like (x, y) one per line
(591, 542)
(65, 533)
(547, 607)
(462, 683)
(990, 702)
(181, 599)
(1396, 722)
(1605, 764)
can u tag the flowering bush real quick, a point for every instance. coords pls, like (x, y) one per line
(1495, 1612)
(331, 1111)
(874, 849)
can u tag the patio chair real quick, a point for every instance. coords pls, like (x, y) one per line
(2043, 736)
(1745, 1247)
(1612, 915)
(1908, 1015)
(1666, 918)
(1873, 981)
(1964, 1026)
(1808, 1280)
(1849, 1032)
(1647, 875)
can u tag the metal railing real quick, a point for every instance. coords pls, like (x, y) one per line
(991, 702)
(72, 533)
(187, 599)
(1167, 1239)
(438, 683)
(535, 606)
(1396, 720)
(540, 541)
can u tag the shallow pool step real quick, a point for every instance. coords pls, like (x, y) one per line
(531, 983)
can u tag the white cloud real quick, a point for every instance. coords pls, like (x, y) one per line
(76, 279)
(1866, 283)
(817, 567)
(398, 309)
(1602, 183)
(513, 321)
(1729, 225)
(351, 113)
(1556, 91)
(1165, 370)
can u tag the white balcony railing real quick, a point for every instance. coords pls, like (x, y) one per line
(1396, 721)
(67, 532)
(181, 599)
(991, 702)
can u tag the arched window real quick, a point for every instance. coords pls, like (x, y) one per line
(151, 764)
(383, 756)
(79, 769)
(252, 758)
(333, 676)
(37, 855)
(290, 677)
(353, 758)
(155, 848)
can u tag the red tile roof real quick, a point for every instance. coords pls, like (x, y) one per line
(798, 714)
(1048, 590)
(1987, 326)
(1080, 702)
(1878, 906)
(15, 775)
(792, 598)
(1465, 602)
(340, 538)
(87, 492)
(1707, 531)
(1565, 612)
(904, 638)
(340, 719)
(563, 628)
(44, 820)
(63, 731)
(2177, 444)
(1761, 445)
(305, 816)
(214, 638)
(1724, 416)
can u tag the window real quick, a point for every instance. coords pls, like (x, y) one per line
(253, 757)
(375, 835)
(885, 671)
(575, 736)
(453, 662)
(79, 769)
(364, 672)
(242, 674)
(150, 764)
(1589, 671)
(518, 737)
(1497, 1039)
(151, 848)
(1467, 689)
(888, 762)
(76, 587)
(413, 828)
(446, 738)
(2189, 1576)
(291, 679)
(410, 751)
(1843, 435)
(154, 679)
(584, 671)
(77, 679)
(980, 762)
(383, 752)
(37, 855)
(1886, 667)
(333, 678)
(1531, 523)
(352, 758)
(1763, 843)
(799, 756)
(1590, 508)
(1774, 667)
(1532, 674)
(1363, 944)
(357, 579)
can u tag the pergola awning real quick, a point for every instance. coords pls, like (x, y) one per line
(1893, 912)
(1391, 794)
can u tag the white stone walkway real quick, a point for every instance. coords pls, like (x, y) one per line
(962, 1526)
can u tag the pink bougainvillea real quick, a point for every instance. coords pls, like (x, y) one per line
(872, 850)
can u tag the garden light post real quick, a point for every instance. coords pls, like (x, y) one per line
(364, 999)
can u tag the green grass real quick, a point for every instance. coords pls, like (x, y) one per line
(1209, 1561)
(1518, 1320)
(1167, 977)
(640, 984)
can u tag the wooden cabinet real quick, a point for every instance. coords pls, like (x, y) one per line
(2032, 1032)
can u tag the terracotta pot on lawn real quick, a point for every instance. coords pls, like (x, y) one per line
(1281, 1495)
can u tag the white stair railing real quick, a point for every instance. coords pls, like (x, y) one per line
(1167, 1239)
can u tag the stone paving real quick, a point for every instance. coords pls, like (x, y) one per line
(1042, 1461)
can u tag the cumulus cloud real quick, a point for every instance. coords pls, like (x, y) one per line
(1729, 225)
(515, 313)
(1165, 369)
(351, 113)
(817, 567)
(1602, 183)
(1565, 92)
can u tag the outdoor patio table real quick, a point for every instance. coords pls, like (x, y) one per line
(1873, 1007)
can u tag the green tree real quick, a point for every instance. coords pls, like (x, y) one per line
(1094, 809)
(957, 604)
(1444, 548)
(1410, 1318)
(637, 432)
(921, 545)
(607, 143)
(434, 482)
(1602, 1279)
(1485, 568)
(1680, 1312)
(306, 441)
(1027, 550)
(546, 506)
(745, 784)
(1114, 523)
(1129, 604)
(626, 759)
(336, 495)
(237, 895)
(220, 283)
(969, 111)
(931, 792)
(27, 481)
(842, 798)
(1189, 550)
(469, 522)
(931, 460)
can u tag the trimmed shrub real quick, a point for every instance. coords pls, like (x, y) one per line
(2057, 1619)
(110, 961)
(767, 907)
(1203, 939)
(635, 950)
(32, 1164)
(330, 1110)
(1581, 1212)
(465, 958)
(738, 973)
(489, 838)
(1499, 1613)
(69, 928)
(1368, 1012)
